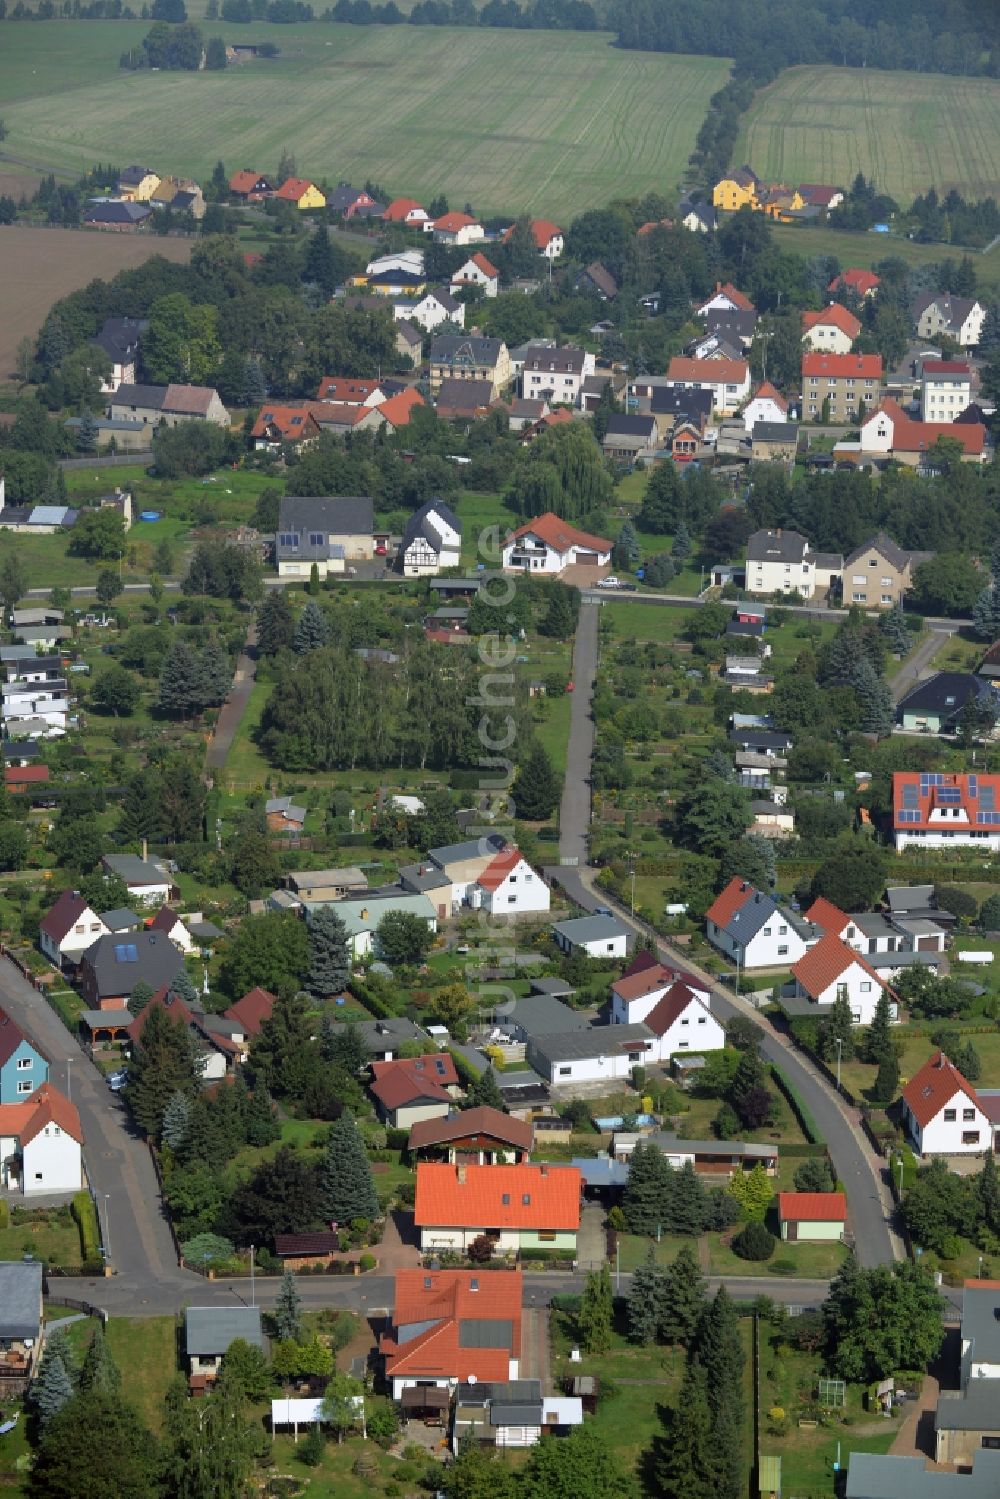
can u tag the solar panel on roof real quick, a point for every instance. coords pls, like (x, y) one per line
(909, 796)
(126, 952)
(949, 796)
(989, 818)
(973, 786)
(986, 797)
(910, 816)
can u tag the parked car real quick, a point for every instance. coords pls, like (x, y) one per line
(609, 582)
(117, 1080)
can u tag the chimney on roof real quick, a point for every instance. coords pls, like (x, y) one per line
(545, 1170)
(461, 1176)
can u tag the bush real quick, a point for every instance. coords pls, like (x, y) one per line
(755, 1242)
(951, 1247)
(86, 1221)
(4, 1214)
(367, 1262)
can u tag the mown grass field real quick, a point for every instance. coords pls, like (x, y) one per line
(510, 121)
(909, 131)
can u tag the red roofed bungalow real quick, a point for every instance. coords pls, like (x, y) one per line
(398, 409)
(451, 1327)
(863, 283)
(251, 187)
(509, 885)
(945, 1115)
(811, 1216)
(21, 778)
(548, 237)
(516, 1207)
(405, 211)
(481, 1136)
(409, 1089)
(830, 969)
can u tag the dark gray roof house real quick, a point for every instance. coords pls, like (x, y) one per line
(776, 546)
(675, 400)
(20, 1299)
(209, 1330)
(419, 524)
(116, 213)
(871, 1475)
(119, 338)
(140, 397)
(314, 528)
(540, 1015)
(465, 350)
(463, 397)
(938, 701)
(112, 967)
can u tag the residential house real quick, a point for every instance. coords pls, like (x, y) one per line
(406, 211)
(753, 931)
(774, 442)
(698, 217)
(168, 405)
(481, 1136)
(173, 928)
(555, 375)
(839, 387)
(361, 917)
(21, 1313)
(710, 1158)
(300, 192)
(353, 203)
(34, 702)
(465, 400)
(119, 338)
(67, 929)
(137, 184)
(41, 1144)
(414, 1088)
(727, 379)
(463, 863)
(396, 281)
(180, 195)
(508, 886)
(148, 881)
(967, 1421)
(859, 281)
(113, 965)
(783, 562)
(457, 229)
(680, 1021)
(889, 432)
(431, 310)
(714, 344)
(735, 325)
(383, 1040)
(477, 271)
(597, 281)
(515, 1207)
(736, 190)
(541, 1013)
(325, 531)
(208, 1333)
(765, 405)
(409, 341)
(686, 441)
(451, 1327)
(514, 1414)
(594, 936)
(821, 195)
(342, 390)
(872, 1476)
(548, 237)
(432, 540)
(935, 705)
(282, 815)
(277, 425)
(877, 574)
(249, 186)
(641, 987)
(725, 298)
(943, 1113)
(960, 318)
(781, 203)
(456, 356)
(932, 809)
(889, 942)
(831, 969)
(250, 1012)
(23, 1068)
(945, 389)
(812, 1217)
(26, 780)
(630, 436)
(832, 331)
(525, 414)
(410, 262)
(549, 545)
(115, 215)
(325, 885)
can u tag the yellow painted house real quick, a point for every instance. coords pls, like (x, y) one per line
(137, 184)
(301, 192)
(738, 190)
(780, 202)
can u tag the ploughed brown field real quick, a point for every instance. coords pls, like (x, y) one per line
(38, 266)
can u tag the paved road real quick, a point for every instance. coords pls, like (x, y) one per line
(574, 814)
(917, 662)
(233, 709)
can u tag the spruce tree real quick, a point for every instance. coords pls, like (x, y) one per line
(878, 1037)
(686, 1213)
(320, 266)
(255, 389)
(329, 954)
(177, 1121)
(626, 553)
(312, 630)
(968, 1062)
(140, 997)
(275, 623)
(683, 1456)
(875, 700)
(837, 1026)
(596, 1315)
(163, 1063)
(262, 1127)
(288, 1310)
(484, 1092)
(720, 1350)
(559, 620)
(182, 987)
(989, 334)
(682, 542)
(886, 1084)
(216, 675)
(645, 1299)
(346, 1186)
(99, 1371)
(986, 614)
(683, 1301)
(536, 789)
(180, 681)
(53, 1385)
(893, 626)
(87, 433)
(648, 1192)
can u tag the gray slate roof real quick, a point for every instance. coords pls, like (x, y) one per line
(148, 397)
(590, 929)
(543, 1015)
(472, 848)
(978, 1409)
(118, 962)
(775, 432)
(20, 1298)
(135, 871)
(591, 1041)
(385, 1035)
(945, 693)
(419, 525)
(871, 1476)
(776, 546)
(210, 1329)
(325, 515)
(981, 1323)
(883, 544)
(464, 349)
(745, 923)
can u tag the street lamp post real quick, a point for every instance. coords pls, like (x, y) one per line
(840, 1051)
(69, 1079)
(253, 1293)
(107, 1227)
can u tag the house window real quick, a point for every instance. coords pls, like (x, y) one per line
(685, 1021)
(866, 988)
(701, 1019)
(315, 538)
(783, 951)
(546, 1236)
(970, 1137)
(23, 1064)
(25, 1087)
(782, 931)
(565, 1071)
(767, 931)
(950, 1115)
(505, 1199)
(968, 1114)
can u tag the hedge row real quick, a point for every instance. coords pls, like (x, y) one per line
(371, 1001)
(802, 1114)
(83, 1210)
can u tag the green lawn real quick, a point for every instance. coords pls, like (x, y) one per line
(47, 1234)
(858, 1076)
(245, 765)
(807, 1261)
(572, 122)
(146, 1351)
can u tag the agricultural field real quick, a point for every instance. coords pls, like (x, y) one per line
(46, 264)
(909, 131)
(867, 250)
(571, 121)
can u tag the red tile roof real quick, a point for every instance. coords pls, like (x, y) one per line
(494, 1197)
(407, 1079)
(293, 189)
(643, 959)
(346, 390)
(634, 985)
(398, 409)
(11, 1036)
(843, 366)
(819, 194)
(559, 535)
(945, 367)
(736, 297)
(447, 1299)
(823, 964)
(24, 775)
(482, 1122)
(916, 797)
(486, 266)
(824, 914)
(542, 231)
(768, 392)
(499, 868)
(294, 423)
(836, 314)
(671, 1007)
(812, 1207)
(909, 436)
(452, 222)
(399, 208)
(62, 917)
(252, 1010)
(174, 1006)
(860, 281)
(933, 1087)
(245, 181)
(45, 1106)
(725, 905)
(709, 371)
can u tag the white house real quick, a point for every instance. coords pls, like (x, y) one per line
(431, 310)
(47, 701)
(148, 880)
(932, 809)
(831, 969)
(508, 886)
(451, 1327)
(783, 562)
(456, 229)
(682, 1021)
(636, 994)
(431, 541)
(555, 375)
(765, 405)
(833, 330)
(477, 271)
(550, 545)
(69, 928)
(943, 1112)
(41, 1144)
(170, 923)
(728, 380)
(752, 930)
(945, 390)
(408, 262)
(960, 317)
(725, 298)
(596, 936)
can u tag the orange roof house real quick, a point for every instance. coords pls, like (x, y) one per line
(398, 409)
(863, 283)
(252, 1010)
(834, 316)
(520, 1207)
(843, 366)
(768, 392)
(548, 237)
(890, 430)
(828, 917)
(21, 778)
(454, 1326)
(345, 390)
(250, 186)
(731, 295)
(405, 211)
(47, 1136)
(548, 544)
(301, 192)
(279, 424)
(944, 1114)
